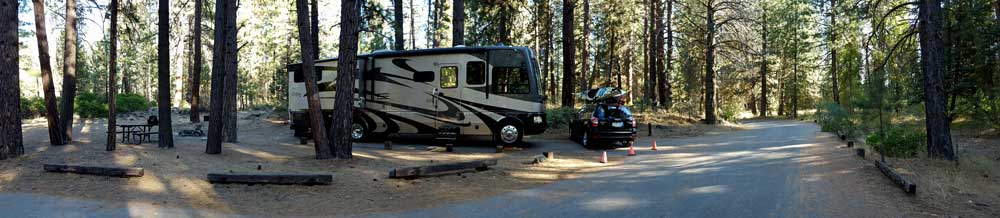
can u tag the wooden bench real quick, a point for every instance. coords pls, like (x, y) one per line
(141, 137)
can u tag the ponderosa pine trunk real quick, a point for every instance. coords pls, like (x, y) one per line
(220, 62)
(667, 98)
(197, 68)
(569, 62)
(229, 127)
(584, 50)
(833, 51)
(314, 29)
(11, 140)
(654, 54)
(397, 25)
(163, 67)
(316, 122)
(710, 116)
(931, 60)
(112, 77)
(763, 66)
(69, 72)
(661, 78)
(340, 131)
(56, 136)
(458, 23)
(413, 28)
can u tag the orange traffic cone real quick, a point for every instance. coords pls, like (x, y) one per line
(631, 151)
(654, 145)
(604, 157)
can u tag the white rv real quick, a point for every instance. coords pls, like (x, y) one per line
(483, 92)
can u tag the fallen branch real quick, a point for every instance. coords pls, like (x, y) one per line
(98, 171)
(441, 169)
(277, 179)
(907, 186)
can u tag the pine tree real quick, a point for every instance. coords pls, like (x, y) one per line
(163, 93)
(56, 136)
(69, 72)
(112, 76)
(340, 131)
(11, 141)
(316, 123)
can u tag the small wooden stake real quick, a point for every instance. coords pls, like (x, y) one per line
(388, 145)
(650, 128)
(499, 149)
(449, 147)
(861, 153)
(549, 155)
(850, 144)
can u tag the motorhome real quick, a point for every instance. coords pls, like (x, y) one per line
(491, 92)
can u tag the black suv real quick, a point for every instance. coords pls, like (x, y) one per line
(602, 125)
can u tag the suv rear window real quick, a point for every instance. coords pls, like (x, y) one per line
(612, 111)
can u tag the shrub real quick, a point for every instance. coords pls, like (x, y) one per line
(131, 102)
(90, 105)
(898, 141)
(560, 117)
(730, 111)
(32, 107)
(833, 118)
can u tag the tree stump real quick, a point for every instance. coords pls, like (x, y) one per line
(388, 145)
(499, 149)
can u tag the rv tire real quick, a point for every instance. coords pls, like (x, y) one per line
(510, 133)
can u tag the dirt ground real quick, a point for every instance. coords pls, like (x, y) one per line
(176, 177)
(969, 187)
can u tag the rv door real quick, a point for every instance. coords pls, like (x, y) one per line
(448, 112)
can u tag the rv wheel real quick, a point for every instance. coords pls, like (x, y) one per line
(357, 131)
(509, 134)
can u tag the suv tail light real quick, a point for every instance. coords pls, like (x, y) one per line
(634, 124)
(593, 121)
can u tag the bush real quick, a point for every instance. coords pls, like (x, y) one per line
(32, 107)
(730, 111)
(560, 117)
(90, 105)
(898, 141)
(131, 102)
(834, 118)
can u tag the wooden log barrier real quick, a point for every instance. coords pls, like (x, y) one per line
(92, 170)
(277, 179)
(906, 185)
(441, 169)
(861, 153)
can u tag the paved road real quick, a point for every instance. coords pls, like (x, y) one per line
(753, 173)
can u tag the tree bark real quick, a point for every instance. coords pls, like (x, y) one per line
(230, 129)
(458, 23)
(654, 48)
(69, 72)
(710, 116)
(314, 29)
(413, 28)
(397, 24)
(668, 97)
(763, 66)
(340, 132)
(11, 141)
(56, 136)
(931, 61)
(163, 65)
(833, 51)
(196, 71)
(316, 122)
(585, 51)
(568, 53)
(112, 76)
(220, 64)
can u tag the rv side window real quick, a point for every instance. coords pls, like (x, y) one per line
(299, 78)
(449, 77)
(510, 80)
(475, 73)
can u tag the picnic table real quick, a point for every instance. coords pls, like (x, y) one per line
(132, 132)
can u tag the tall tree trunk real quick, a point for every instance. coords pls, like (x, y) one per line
(163, 65)
(833, 51)
(569, 62)
(11, 141)
(458, 23)
(340, 131)
(931, 61)
(645, 55)
(112, 76)
(196, 71)
(763, 66)
(550, 47)
(69, 72)
(584, 50)
(668, 98)
(314, 29)
(795, 81)
(654, 54)
(56, 136)
(229, 129)
(710, 116)
(220, 58)
(316, 122)
(661, 78)
(413, 30)
(397, 24)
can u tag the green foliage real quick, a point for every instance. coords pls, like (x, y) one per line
(730, 111)
(834, 118)
(899, 141)
(131, 102)
(32, 107)
(90, 105)
(560, 117)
